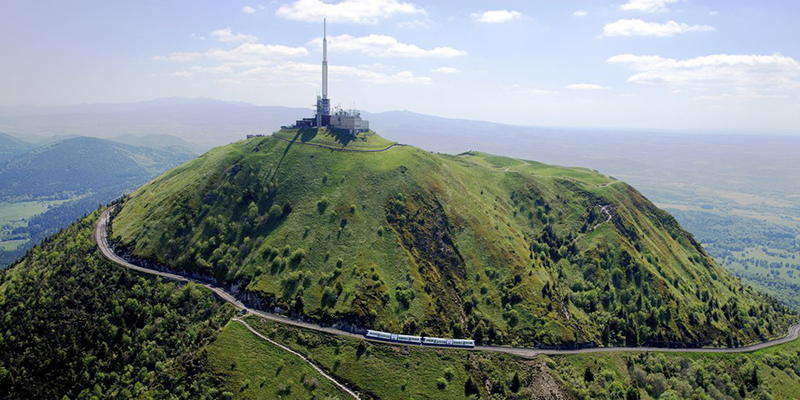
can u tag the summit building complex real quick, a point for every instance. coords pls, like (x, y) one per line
(346, 120)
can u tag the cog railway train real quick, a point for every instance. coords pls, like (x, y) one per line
(431, 341)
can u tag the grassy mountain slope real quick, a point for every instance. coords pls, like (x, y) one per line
(76, 326)
(387, 372)
(253, 368)
(502, 250)
(392, 372)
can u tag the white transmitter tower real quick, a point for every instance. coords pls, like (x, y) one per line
(323, 103)
(349, 121)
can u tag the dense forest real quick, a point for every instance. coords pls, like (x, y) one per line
(76, 326)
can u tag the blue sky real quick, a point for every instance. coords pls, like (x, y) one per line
(644, 64)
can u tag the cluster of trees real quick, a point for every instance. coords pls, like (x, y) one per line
(672, 377)
(76, 326)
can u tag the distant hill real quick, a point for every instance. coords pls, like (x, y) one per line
(11, 147)
(81, 165)
(167, 142)
(503, 250)
(85, 172)
(204, 122)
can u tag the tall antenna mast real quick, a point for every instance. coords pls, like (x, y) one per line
(324, 58)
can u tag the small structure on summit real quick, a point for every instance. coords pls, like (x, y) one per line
(346, 120)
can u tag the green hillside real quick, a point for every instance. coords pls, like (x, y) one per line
(254, 369)
(502, 250)
(387, 371)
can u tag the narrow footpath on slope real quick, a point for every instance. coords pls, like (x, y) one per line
(101, 233)
(302, 357)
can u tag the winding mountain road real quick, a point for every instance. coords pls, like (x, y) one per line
(108, 253)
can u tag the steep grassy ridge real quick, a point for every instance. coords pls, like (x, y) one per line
(501, 250)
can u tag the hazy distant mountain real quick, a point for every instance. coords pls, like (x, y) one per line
(158, 142)
(205, 122)
(80, 165)
(11, 147)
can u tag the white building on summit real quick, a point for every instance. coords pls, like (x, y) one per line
(346, 120)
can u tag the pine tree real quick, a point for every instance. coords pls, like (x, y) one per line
(515, 384)
(588, 375)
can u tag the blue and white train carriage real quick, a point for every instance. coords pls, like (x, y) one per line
(431, 341)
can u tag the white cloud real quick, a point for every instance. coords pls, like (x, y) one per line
(248, 10)
(220, 69)
(585, 86)
(525, 90)
(417, 23)
(384, 46)
(497, 16)
(244, 54)
(179, 57)
(347, 11)
(580, 13)
(446, 70)
(648, 6)
(182, 74)
(637, 27)
(290, 73)
(408, 77)
(253, 53)
(743, 73)
(227, 36)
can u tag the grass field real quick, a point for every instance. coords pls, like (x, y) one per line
(14, 215)
(12, 244)
(253, 368)
(11, 213)
(765, 262)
